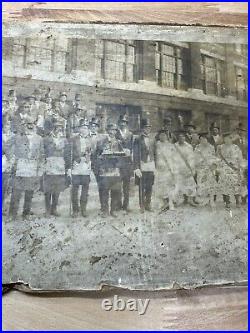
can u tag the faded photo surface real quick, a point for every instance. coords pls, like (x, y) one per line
(124, 162)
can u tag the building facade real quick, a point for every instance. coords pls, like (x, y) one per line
(199, 81)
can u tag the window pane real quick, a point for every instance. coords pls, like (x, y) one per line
(168, 64)
(168, 79)
(167, 49)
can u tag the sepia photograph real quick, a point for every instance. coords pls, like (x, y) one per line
(124, 157)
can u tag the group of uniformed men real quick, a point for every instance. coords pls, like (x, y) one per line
(49, 145)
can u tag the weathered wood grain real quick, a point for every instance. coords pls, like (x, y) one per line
(206, 14)
(202, 309)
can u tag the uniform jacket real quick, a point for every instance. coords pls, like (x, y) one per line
(38, 109)
(126, 139)
(72, 123)
(64, 110)
(27, 154)
(108, 163)
(192, 139)
(81, 155)
(57, 155)
(241, 142)
(20, 118)
(215, 143)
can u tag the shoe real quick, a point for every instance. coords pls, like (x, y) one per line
(47, 214)
(142, 210)
(84, 213)
(149, 209)
(113, 214)
(55, 213)
(127, 211)
(25, 215)
(104, 215)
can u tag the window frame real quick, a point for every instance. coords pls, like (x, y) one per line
(244, 72)
(219, 84)
(178, 83)
(103, 59)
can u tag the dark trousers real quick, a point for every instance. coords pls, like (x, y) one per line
(110, 187)
(97, 177)
(83, 182)
(125, 179)
(15, 201)
(147, 182)
(51, 201)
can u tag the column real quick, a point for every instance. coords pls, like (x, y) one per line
(146, 61)
(230, 77)
(195, 80)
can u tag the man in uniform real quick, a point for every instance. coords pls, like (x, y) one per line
(77, 101)
(39, 104)
(56, 115)
(126, 139)
(108, 154)
(144, 165)
(80, 168)
(6, 163)
(240, 140)
(191, 135)
(22, 115)
(95, 137)
(215, 139)
(63, 105)
(12, 105)
(26, 152)
(46, 111)
(73, 120)
(57, 164)
(167, 128)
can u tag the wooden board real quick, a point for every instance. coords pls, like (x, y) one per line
(202, 309)
(209, 308)
(201, 13)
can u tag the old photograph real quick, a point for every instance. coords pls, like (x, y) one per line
(124, 162)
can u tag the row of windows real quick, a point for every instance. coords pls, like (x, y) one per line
(117, 60)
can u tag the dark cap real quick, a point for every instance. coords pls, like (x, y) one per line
(190, 124)
(180, 131)
(145, 123)
(31, 96)
(83, 122)
(225, 134)
(94, 121)
(203, 134)
(12, 92)
(241, 128)
(77, 95)
(112, 126)
(214, 125)
(167, 120)
(123, 118)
